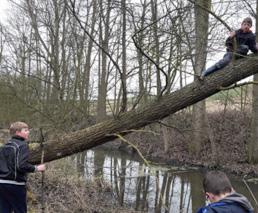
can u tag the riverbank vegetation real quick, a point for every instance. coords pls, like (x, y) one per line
(225, 147)
(65, 190)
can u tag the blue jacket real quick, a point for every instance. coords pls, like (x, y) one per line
(242, 38)
(233, 203)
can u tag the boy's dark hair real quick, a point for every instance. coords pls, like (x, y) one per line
(217, 183)
(248, 20)
(17, 126)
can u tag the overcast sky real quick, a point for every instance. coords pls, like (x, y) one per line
(3, 8)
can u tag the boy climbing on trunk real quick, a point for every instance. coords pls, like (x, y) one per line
(245, 41)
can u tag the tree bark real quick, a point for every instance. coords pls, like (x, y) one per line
(124, 58)
(87, 68)
(102, 84)
(253, 144)
(199, 109)
(156, 56)
(103, 132)
(142, 88)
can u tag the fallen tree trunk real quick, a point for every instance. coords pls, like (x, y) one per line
(103, 132)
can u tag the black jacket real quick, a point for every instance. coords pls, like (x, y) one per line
(14, 157)
(233, 203)
(242, 38)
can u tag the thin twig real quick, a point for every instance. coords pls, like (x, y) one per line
(147, 56)
(171, 127)
(238, 85)
(135, 147)
(150, 59)
(250, 191)
(212, 13)
(42, 173)
(140, 130)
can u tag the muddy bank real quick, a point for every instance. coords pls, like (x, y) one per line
(229, 133)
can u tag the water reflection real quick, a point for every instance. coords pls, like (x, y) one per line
(154, 189)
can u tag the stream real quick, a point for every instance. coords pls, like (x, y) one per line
(153, 188)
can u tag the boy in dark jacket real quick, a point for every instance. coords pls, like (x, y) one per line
(223, 198)
(14, 167)
(245, 41)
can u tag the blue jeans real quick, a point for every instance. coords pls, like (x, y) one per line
(12, 198)
(242, 50)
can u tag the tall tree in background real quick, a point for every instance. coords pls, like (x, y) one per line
(201, 32)
(85, 82)
(124, 74)
(140, 59)
(253, 144)
(156, 51)
(104, 40)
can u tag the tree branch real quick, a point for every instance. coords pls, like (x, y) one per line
(68, 144)
(72, 10)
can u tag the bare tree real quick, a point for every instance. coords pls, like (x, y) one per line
(201, 29)
(104, 39)
(124, 70)
(253, 144)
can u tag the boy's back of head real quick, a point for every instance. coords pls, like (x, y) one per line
(217, 183)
